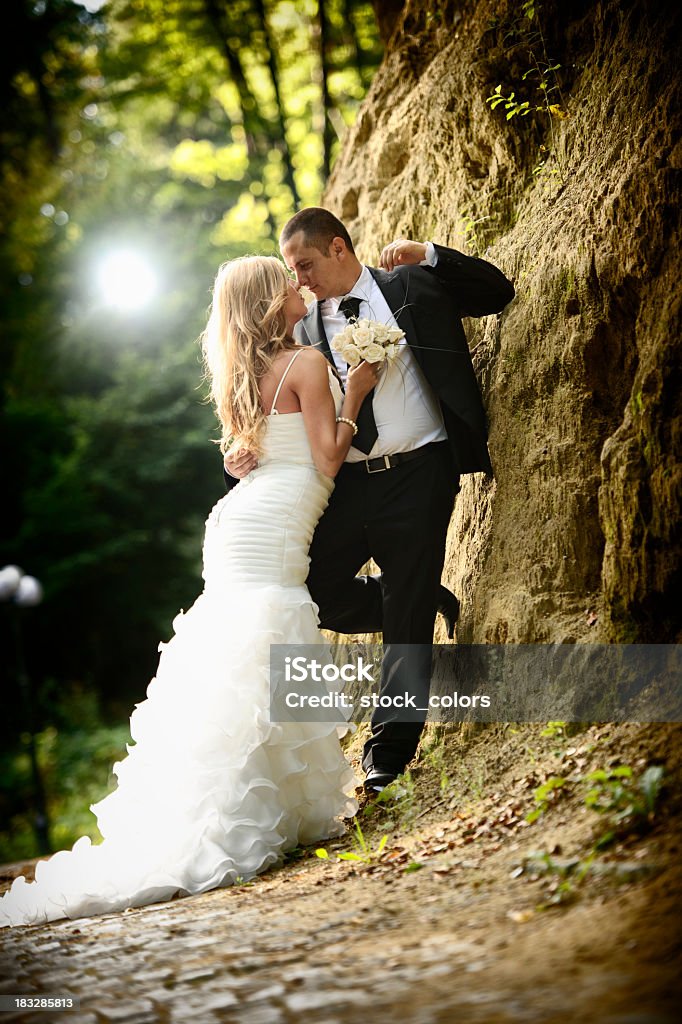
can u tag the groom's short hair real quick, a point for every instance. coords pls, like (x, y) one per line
(319, 227)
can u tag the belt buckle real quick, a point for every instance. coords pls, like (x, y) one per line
(379, 469)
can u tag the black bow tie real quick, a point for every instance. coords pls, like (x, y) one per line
(350, 307)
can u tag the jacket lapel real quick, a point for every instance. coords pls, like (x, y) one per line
(396, 292)
(313, 332)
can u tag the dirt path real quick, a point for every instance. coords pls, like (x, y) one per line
(459, 938)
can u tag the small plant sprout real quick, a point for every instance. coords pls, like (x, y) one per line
(364, 853)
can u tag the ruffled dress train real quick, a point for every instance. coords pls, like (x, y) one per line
(211, 791)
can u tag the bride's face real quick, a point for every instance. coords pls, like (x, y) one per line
(294, 307)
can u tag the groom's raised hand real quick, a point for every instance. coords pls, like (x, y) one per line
(402, 253)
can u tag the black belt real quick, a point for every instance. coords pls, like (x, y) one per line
(384, 462)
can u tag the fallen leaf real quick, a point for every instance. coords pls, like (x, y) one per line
(520, 916)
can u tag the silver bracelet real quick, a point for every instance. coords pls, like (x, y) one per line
(351, 423)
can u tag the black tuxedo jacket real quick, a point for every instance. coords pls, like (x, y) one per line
(428, 304)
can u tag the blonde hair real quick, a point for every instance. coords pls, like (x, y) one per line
(245, 333)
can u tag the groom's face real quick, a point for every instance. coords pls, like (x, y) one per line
(322, 273)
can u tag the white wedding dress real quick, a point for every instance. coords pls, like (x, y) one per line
(211, 791)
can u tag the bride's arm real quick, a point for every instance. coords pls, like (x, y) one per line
(329, 440)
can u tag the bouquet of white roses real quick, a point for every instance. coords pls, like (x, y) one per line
(367, 339)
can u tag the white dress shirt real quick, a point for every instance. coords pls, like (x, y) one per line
(406, 410)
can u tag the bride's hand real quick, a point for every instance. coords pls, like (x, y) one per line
(239, 462)
(362, 378)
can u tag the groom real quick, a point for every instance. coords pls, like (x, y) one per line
(422, 427)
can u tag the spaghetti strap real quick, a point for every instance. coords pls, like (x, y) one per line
(273, 411)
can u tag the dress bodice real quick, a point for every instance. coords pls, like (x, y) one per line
(259, 533)
(286, 440)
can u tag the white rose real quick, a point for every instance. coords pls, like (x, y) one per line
(374, 353)
(395, 334)
(351, 353)
(362, 336)
(344, 337)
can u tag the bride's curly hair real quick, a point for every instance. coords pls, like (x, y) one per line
(246, 331)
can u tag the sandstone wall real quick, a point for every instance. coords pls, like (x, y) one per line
(578, 537)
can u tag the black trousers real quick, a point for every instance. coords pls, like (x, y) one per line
(400, 519)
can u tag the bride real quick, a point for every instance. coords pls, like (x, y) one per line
(211, 791)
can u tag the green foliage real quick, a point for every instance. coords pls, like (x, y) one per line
(397, 801)
(628, 805)
(511, 105)
(75, 757)
(542, 72)
(567, 876)
(554, 729)
(545, 795)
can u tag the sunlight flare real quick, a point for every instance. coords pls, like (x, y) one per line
(126, 280)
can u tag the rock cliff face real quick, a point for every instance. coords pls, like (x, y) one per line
(578, 536)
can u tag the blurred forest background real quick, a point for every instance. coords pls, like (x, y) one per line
(143, 142)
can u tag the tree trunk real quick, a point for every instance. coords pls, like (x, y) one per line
(216, 14)
(281, 121)
(387, 14)
(327, 129)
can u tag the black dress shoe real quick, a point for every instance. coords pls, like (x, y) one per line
(378, 778)
(448, 606)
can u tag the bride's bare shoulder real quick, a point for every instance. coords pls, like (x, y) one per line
(310, 358)
(309, 372)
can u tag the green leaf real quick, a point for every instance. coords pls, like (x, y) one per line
(548, 787)
(322, 854)
(650, 785)
(553, 728)
(349, 856)
(605, 840)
